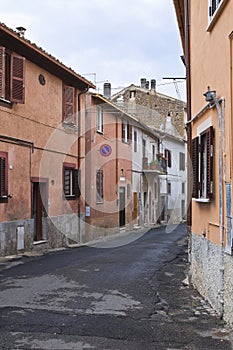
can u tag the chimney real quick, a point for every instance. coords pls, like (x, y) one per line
(21, 31)
(107, 90)
(147, 85)
(153, 85)
(143, 83)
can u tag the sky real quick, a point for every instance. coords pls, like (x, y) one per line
(114, 41)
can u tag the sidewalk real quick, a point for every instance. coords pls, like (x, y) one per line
(177, 301)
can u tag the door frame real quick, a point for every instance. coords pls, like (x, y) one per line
(39, 204)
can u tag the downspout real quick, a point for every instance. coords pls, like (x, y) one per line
(189, 117)
(211, 96)
(79, 151)
(221, 112)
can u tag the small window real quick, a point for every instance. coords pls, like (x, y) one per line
(202, 163)
(135, 141)
(99, 120)
(168, 157)
(183, 188)
(69, 104)
(169, 187)
(143, 148)
(12, 72)
(71, 181)
(182, 161)
(132, 94)
(3, 177)
(126, 132)
(153, 151)
(99, 186)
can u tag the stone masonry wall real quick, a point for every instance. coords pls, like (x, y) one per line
(211, 273)
(152, 108)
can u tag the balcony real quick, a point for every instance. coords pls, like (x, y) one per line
(158, 165)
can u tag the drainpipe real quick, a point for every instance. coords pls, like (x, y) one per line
(189, 117)
(221, 112)
(211, 96)
(79, 151)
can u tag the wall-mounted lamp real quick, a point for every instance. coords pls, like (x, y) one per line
(209, 95)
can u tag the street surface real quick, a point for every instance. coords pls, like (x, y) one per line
(124, 296)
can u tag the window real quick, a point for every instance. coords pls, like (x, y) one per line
(11, 76)
(99, 186)
(69, 104)
(183, 187)
(213, 6)
(99, 120)
(169, 187)
(135, 141)
(132, 94)
(71, 186)
(3, 177)
(143, 148)
(168, 156)
(153, 152)
(126, 132)
(182, 161)
(202, 163)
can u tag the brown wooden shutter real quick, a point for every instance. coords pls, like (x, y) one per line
(209, 161)
(66, 179)
(17, 79)
(2, 72)
(69, 104)
(195, 165)
(76, 182)
(3, 178)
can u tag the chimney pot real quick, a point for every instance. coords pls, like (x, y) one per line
(107, 90)
(143, 83)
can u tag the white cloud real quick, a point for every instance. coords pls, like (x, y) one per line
(120, 41)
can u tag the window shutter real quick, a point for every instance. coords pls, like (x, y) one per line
(2, 71)
(99, 186)
(17, 79)
(76, 182)
(129, 132)
(209, 155)
(195, 165)
(67, 181)
(69, 104)
(3, 179)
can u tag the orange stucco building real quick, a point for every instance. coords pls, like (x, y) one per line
(206, 33)
(41, 107)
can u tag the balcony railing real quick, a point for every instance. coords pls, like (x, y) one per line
(159, 164)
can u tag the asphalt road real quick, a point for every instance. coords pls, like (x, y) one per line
(126, 294)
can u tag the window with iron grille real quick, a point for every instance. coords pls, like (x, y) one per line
(69, 104)
(202, 164)
(12, 73)
(3, 177)
(71, 181)
(99, 186)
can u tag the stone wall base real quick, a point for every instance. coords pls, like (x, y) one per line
(211, 273)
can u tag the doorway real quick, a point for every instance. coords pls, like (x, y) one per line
(122, 207)
(39, 196)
